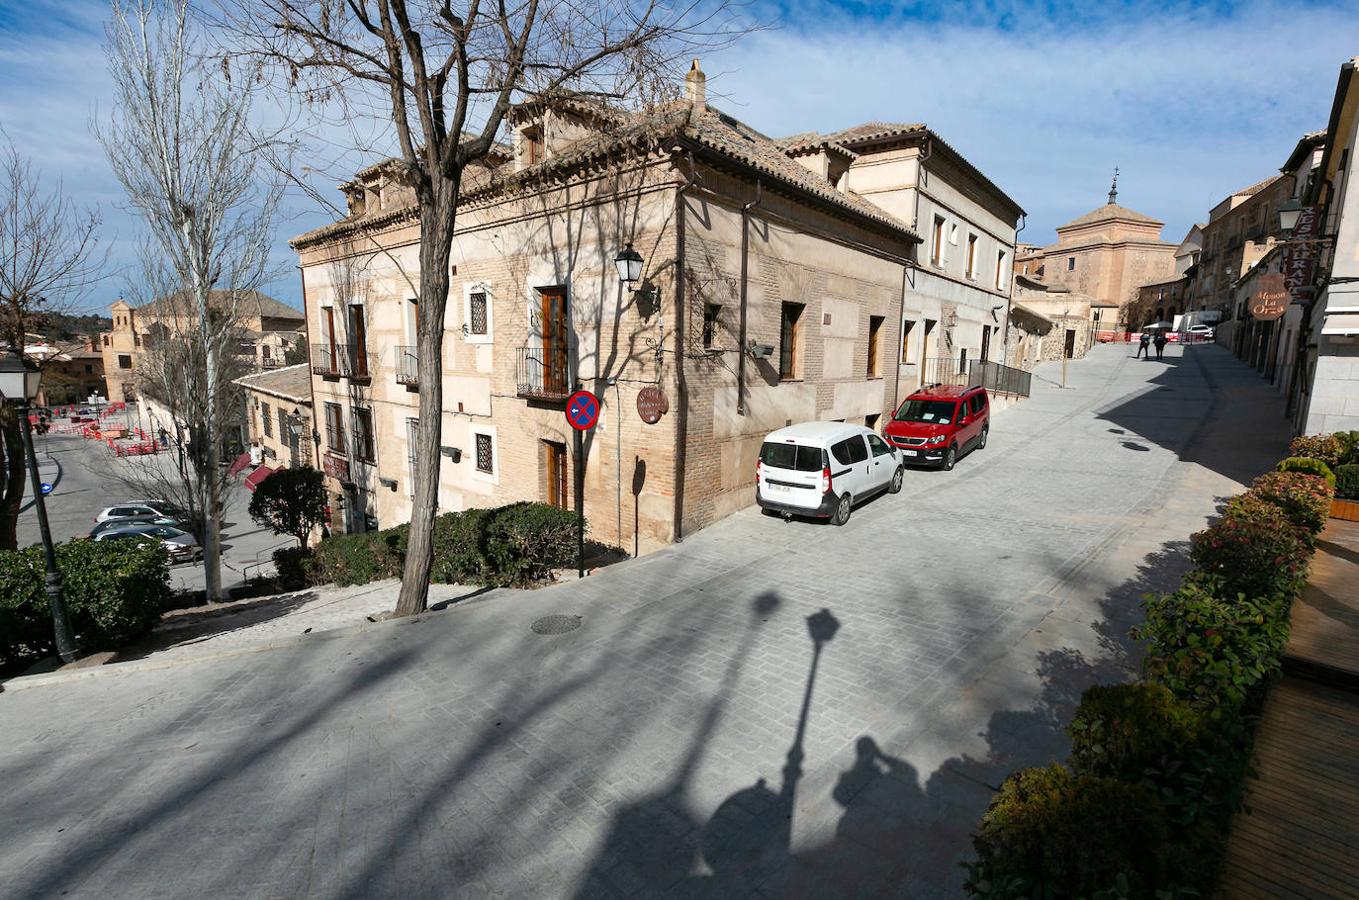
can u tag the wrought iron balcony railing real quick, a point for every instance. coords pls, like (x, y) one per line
(334, 360)
(544, 373)
(407, 366)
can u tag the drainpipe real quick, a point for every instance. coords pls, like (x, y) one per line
(745, 265)
(681, 380)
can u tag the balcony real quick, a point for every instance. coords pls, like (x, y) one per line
(543, 373)
(334, 360)
(407, 366)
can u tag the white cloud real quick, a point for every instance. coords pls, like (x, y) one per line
(1188, 106)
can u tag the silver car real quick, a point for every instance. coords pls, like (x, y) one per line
(180, 545)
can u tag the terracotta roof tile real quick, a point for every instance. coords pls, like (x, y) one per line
(1109, 212)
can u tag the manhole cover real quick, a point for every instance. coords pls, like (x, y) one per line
(556, 624)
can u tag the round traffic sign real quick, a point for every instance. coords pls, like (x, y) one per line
(582, 410)
(46, 488)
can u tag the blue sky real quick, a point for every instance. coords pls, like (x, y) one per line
(1190, 101)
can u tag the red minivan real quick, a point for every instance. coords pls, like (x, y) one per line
(939, 423)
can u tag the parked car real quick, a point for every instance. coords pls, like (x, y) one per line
(129, 509)
(1202, 332)
(939, 423)
(105, 525)
(180, 545)
(821, 469)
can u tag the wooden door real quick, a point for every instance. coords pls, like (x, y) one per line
(986, 343)
(333, 363)
(358, 339)
(555, 344)
(557, 495)
(1070, 348)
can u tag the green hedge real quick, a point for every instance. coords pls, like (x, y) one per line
(1329, 448)
(115, 592)
(1347, 481)
(1309, 465)
(1158, 768)
(519, 544)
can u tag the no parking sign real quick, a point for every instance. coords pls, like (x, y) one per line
(582, 410)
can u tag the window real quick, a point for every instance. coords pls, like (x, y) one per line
(358, 336)
(267, 422)
(106, 340)
(533, 146)
(363, 433)
(1071, 263)
(978, 403)
(1026, 268)
(334, 427)
(264, 351)
(412, 440)
(937, 243)
(476, 312)
(972, 256)
(485, 454)
(136, 340)
(283, 431)
(877, 444)
(874, 334)
(906, 328)
(788, 335)
(962, 360)
(710, 314)
(986, 343)
(1000, 270)
(478, 316)
(124, 361)
(794, 457)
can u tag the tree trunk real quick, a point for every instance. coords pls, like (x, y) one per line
(436, 247)
(14, 482)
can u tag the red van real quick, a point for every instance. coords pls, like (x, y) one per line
(939, 423)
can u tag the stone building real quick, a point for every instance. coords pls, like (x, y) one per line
(278, 415)
(1326, 373)
(73, 371)
(269, 332)
(1106, 254)
(1050, 322)
(1240, 230)
(773, 291)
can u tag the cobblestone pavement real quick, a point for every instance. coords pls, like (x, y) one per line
(689, 739)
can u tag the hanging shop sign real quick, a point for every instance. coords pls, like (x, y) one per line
(1270, 300)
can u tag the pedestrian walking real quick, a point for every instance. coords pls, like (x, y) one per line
(1143, 346)
(1160, 344)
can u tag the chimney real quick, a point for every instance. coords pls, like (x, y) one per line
(696, 87)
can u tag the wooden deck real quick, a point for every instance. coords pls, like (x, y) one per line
(1301, 838)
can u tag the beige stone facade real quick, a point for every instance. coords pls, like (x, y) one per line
(536, 306)
(1240, 231)
(269, 332)
(1106, 254)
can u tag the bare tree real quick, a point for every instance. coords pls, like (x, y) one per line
(48, 257)
(180, 140)
(445, 74)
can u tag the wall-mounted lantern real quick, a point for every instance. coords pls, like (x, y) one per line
(629, 263)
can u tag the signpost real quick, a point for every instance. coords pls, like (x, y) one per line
(1270, 301)
(1300, 257)
(582, 412)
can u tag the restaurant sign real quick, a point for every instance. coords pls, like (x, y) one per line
(337, 467)
(1270, 301)
(1300, 258)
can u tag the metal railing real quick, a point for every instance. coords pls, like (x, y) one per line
(543, 373)
(407, 366)
(996, 378)
(348, 360)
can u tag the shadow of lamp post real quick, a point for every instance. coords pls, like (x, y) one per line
(19, 381)
(822, 627)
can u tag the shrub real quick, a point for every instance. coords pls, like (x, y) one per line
(525, 541)
(1305, 499)
(290, 501)
(1326, 447)
(290, 568)
(1052, 833)
(1347, 481)
(1211, 650)
(114, 591)
(459, 547)
(1309, 465)
(1254, 548)
(1349, 447)
(1124, 730)
(347, 559)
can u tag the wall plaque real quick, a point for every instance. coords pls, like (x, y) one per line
(652, 404)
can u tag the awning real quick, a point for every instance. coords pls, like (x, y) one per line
(1342, 323)
(254, 478)
(1033, 315)
(239, 465)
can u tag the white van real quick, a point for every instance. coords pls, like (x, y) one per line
(822, 469)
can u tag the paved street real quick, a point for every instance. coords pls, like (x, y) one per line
(83, 473)
(686, 739)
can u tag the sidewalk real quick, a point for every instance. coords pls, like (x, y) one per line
(1301, 838)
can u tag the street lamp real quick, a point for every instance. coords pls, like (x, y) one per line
(629, 263)
(1288, 214)
(19, 380)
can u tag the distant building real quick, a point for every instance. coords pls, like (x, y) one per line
(269, 331)
(72, 371)
(278, 415)
(1050, 322)
(1240, 230)
(1106, 254)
